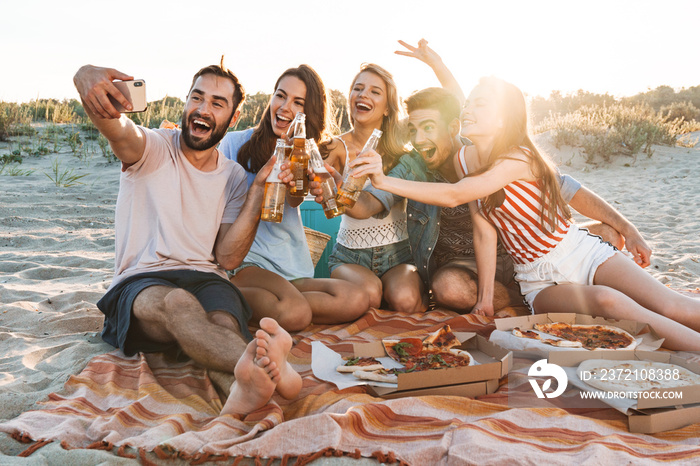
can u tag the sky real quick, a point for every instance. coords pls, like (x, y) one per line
(621, 47)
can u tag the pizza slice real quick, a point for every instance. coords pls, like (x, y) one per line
(518, 332)
(357, 364)
(590, 337)
(399, 350)
(439, 360)
(562, 343)
(380, 375)
(442, 338)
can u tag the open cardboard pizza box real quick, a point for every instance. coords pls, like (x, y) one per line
(647, 414)
(492, 363)
(647, 338)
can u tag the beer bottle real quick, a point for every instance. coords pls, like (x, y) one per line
(299, 159)
(351, 188)
(329, 190)
(275, 190)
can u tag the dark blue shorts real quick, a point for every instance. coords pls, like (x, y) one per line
(213, 292)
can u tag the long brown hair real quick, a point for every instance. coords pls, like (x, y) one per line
(392, 144)
(257, 151)
(513, 135)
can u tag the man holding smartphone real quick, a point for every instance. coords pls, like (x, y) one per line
(184, 214)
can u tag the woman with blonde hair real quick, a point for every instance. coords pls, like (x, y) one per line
(375, 253)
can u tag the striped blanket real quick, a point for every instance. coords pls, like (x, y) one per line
(171, 408)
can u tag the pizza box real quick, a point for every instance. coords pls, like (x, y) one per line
(644, 333)
(469, 390)
(690, 393)
(492, 363)
(661, 420)
(649, 414)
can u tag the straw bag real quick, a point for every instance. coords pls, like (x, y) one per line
(317, 243)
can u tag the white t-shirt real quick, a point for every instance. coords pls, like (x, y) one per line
(169, 213)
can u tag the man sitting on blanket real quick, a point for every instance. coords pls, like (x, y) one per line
(182, 218)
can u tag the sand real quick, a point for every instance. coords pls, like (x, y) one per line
(57, 245)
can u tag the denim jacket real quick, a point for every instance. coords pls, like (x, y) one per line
(423, 220)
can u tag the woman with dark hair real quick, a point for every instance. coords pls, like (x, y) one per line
(375, 252)
(558, 266)
(276, 275)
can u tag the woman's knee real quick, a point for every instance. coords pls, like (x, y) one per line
(293, 313)
(404, 299)
(355, 299)
(374, 293)
(609, 301)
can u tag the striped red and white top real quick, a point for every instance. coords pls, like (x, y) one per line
(518, 221)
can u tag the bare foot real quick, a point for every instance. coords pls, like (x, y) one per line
(253, 386)
(274, 342)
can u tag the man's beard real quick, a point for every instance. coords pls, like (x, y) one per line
(216, 135)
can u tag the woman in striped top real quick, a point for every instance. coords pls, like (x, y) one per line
(559, 267)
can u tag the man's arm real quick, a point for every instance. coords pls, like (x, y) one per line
(485, 244)
(589, 204)
(234, 239)
(94, 84)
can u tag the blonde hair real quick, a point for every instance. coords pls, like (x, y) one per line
(392, 145)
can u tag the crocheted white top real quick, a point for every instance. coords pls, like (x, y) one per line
(372, 232)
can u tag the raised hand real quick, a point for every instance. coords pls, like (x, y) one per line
(422, 52)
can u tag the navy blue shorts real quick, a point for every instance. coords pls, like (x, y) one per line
(213, 292)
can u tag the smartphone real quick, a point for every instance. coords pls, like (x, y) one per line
(135, 91)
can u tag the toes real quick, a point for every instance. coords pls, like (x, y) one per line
(263, 362)
(271, 367)
(263, 336)
(269, 325)
(260, 351)
(273, 371)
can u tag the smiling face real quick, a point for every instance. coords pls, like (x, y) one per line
(431, 137)
(289, 99)
(368, 99)
(480, 115)
(208, 112)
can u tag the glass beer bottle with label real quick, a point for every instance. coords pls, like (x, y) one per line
(299, 158)
(351, 188)
(329, 191)
(275, 190)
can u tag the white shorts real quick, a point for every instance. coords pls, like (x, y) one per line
(573, 261)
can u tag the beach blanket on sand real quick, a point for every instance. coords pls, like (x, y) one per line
(171, 408)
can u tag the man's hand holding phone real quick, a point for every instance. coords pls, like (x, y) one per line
(100, 94)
